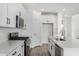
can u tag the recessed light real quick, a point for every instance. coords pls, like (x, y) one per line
(42, 9)
(63, 9)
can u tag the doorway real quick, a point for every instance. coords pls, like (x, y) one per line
(47, 30)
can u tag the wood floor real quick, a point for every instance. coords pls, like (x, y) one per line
(39, 50)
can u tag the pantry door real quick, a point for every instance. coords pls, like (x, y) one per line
(47, 30)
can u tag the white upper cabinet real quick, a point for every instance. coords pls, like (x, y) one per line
(8, 12)
(7, 15)
(3, 15)
(12, 14)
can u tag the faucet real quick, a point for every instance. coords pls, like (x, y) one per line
(60, 38)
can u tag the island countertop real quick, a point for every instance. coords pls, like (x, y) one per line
(63, 44)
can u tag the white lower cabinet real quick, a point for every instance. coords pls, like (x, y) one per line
(58, 50)
(22, 50)
(54, 49)
(51, 47)
(13, 53)
(19, 51)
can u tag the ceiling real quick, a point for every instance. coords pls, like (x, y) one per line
(67, 8)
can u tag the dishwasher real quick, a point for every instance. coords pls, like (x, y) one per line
(58, 50)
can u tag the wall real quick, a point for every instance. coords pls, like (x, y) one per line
(75, 27)
(35, 28)
(71, 28)
(26, 32)
(68, 29)
(60, 18)
(67, 19)
(75, 30)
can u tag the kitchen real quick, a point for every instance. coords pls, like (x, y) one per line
(50, 26)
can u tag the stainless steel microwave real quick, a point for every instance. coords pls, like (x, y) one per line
(19, 22)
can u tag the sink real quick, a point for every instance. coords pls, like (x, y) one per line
(59, 39)
(62, 39)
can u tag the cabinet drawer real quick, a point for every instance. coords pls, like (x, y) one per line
(16, 52)
(13, 53)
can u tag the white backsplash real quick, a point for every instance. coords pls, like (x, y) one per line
(4, 32)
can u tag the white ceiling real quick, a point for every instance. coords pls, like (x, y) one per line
(71, 8)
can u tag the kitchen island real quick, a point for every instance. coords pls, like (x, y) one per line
(62, 48)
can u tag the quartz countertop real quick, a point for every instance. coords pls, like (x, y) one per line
(62, 44)
(8, 46)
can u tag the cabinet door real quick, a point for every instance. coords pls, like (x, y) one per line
(22, 50)
(12, 14)
(16, 52)
(3, 14)
(13, 53)
(53, 49)
(49, 45)
(57, 50)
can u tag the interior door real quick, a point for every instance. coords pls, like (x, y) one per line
(47, 30)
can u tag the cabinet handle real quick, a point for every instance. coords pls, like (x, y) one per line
(14, 53)
(19, 54)
(22, 46)
(49, 40)
(51, 47)
(8, 20)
